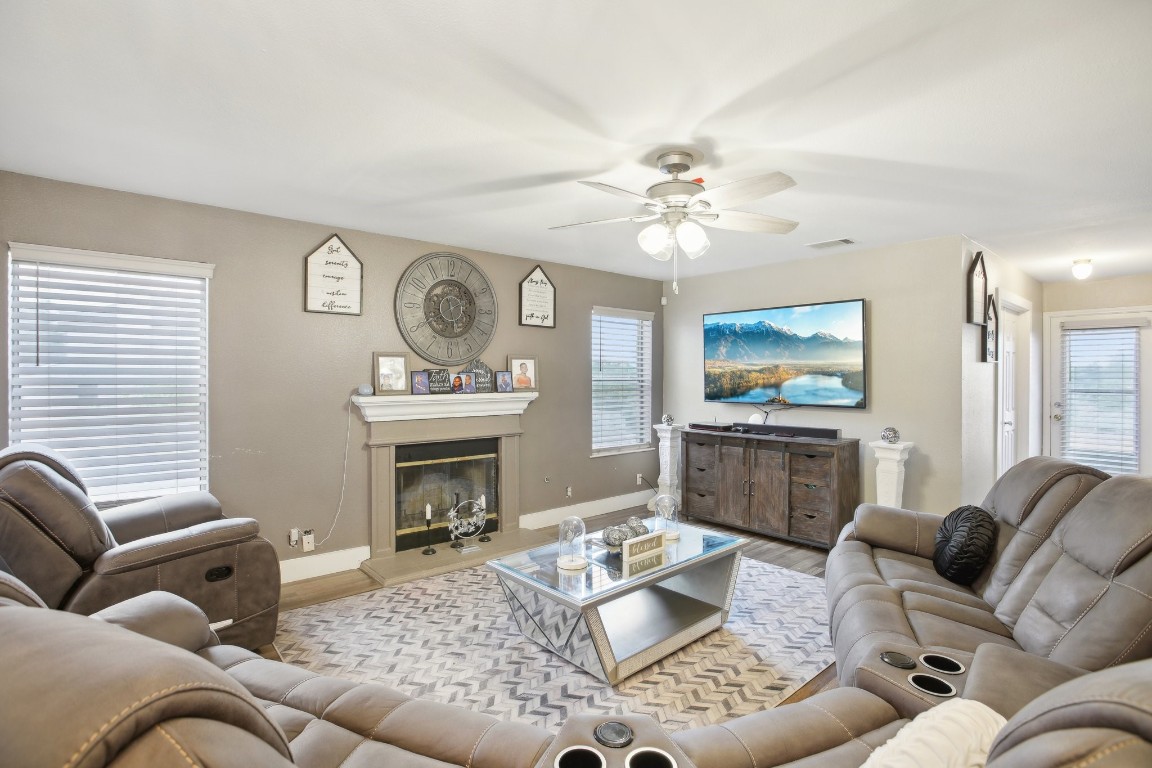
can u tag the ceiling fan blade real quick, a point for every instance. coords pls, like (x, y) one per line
(609, 221)
(743, 191)
(741, 221)
(621, 193)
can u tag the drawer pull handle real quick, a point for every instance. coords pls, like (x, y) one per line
(744, 488)
(701, 495)
(810, 517)
(810, 455)
(701, 469)
(810, 486)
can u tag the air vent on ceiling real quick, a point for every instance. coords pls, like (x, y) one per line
(832, 243)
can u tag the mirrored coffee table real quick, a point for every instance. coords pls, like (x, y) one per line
(609, 619)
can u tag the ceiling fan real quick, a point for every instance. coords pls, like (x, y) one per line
(681, 206)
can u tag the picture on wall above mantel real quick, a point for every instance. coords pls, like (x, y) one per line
(991, 329)
(538, 300)
(977, 289)
(333, 279)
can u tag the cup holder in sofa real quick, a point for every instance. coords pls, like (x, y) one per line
(938, 662)
(931, 684)
(649, 757)
(580, 757)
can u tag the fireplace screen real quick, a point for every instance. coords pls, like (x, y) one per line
(441, 475)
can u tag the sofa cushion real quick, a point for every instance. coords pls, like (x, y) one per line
(964, 542)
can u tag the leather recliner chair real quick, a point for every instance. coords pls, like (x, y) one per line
(78, 559)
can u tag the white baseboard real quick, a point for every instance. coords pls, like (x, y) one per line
(585, 509)
(310, 566)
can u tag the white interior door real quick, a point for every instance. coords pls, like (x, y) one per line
(1008, 387)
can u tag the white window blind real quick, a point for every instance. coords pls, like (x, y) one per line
(621, 380)
(108, 364)
(1100, 424)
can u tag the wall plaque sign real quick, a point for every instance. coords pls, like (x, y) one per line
(439, 381)
(481, 376)
(537, 300)
(333, 279)
(977, 289)
(642, 545)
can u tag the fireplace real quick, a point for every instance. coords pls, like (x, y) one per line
(432, 478)
(405, 432)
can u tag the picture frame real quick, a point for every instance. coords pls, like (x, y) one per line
(503, 381)
(333, 279)
(977, 289)
(538, 300)
(991, 330)
(390, 373)
(420, 383)
(439, 381)
(525, 373)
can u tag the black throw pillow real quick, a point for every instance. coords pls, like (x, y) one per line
(964, 542)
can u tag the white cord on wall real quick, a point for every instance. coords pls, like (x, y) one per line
(344, 479)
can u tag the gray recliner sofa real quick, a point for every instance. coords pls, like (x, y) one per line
(1069, 581)
(144, 683)
(80, 559)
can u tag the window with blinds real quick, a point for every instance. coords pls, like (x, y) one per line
(1100, 423)
(621, 380)
(108, 364)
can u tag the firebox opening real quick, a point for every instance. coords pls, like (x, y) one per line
(442, 475)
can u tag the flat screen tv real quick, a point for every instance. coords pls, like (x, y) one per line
(805, 354)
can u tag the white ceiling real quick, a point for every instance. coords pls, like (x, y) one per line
(1026, 126)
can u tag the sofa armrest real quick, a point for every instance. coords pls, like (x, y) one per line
(162, 616)
(903, 530)
(1007, 678)
(164, 514)
(164, 547)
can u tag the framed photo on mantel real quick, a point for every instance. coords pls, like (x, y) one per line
(537, 300)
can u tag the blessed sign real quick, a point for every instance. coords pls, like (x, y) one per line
(333, 279)
(642, 545)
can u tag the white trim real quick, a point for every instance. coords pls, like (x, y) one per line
(586, 509)
(311, 566)
(415, 407)
(72, 257)
(625, 449)
(637, 314)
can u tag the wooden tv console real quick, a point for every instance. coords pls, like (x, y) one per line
(801, 489)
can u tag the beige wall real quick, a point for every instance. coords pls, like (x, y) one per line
(1132, 291)
(280, 378)
(924, 374)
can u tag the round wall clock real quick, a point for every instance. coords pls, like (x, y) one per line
(446, 308)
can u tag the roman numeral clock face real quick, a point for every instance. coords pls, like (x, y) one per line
(446, 308)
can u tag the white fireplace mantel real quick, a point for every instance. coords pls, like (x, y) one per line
(415, 407)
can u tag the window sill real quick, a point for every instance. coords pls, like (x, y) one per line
(618, 451)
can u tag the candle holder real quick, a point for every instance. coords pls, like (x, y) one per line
(484, 537)
(428, 550)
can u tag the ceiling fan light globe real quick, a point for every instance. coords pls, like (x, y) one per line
(664, 254)
(692, 238)
(1082, 269)
(653, 238)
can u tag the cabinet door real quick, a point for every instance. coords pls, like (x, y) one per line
(732, 488)
(768, 490)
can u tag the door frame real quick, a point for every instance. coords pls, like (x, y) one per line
(1026, 381)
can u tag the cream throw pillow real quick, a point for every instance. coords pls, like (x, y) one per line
(955, 734)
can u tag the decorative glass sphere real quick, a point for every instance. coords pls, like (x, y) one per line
(571, 556)
(615, 535)
(667, 510)
(890, 435)
(667, 419)
(637, 526)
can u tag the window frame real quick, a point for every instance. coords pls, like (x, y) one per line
(647, 396)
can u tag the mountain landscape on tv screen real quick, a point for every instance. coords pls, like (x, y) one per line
(765, 342)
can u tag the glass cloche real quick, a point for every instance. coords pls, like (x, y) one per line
(571, 556)
(667, 510)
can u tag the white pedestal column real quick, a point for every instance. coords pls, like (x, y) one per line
(890, 471)
(669, 448)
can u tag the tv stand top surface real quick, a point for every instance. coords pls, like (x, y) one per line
(777, 431)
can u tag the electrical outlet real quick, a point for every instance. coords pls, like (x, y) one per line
(309, 540)
(639, 479)
(568, 491)
(293, 537)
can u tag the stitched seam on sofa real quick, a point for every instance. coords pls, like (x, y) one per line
(177, 747)
(372, 733)
(472, 752)
(852, 736)
(751, 755)
(1063, 511)
(141, 701)
(1046, 486)
(288, 692)
(1140, 592)
(214, 545)
(1128, 552)
(79, 511)
(39, 523)
(1119, 659)
(353, 751)
(913, 693)
(1098, 755)
(1091, 604)
(852, 645)
(163, 514)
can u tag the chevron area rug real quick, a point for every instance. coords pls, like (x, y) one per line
(451, 638)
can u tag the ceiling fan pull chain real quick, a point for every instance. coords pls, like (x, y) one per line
(675, 266)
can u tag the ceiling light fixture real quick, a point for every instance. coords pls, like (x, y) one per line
(657, 240)
(1081, 268)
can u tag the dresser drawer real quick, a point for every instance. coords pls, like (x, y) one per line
(810, 496)
(701, 479)
(813, 470)
(699, 504)
(809, 524)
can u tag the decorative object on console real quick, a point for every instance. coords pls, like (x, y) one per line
(964, 542)
(615, 535)
(991, 329)
(637, 526)
(538, 300)
(390, 373)
(333, 279)
(481, 376)
(890, 435)
(571, 555)
(667, 419)
(977, 289)
(446, 308)
(466, 522)
(801, 355)
(667, 510)
(525, 374)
